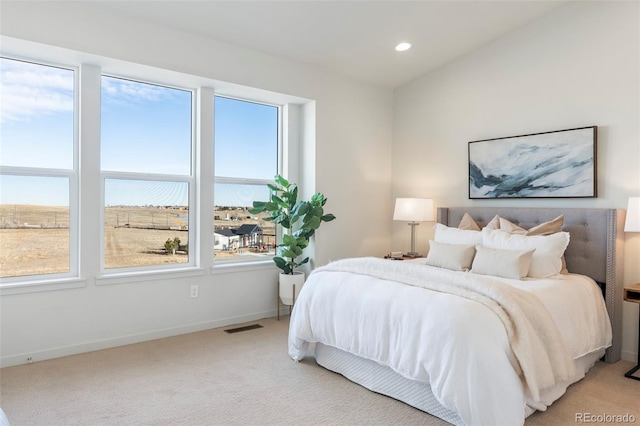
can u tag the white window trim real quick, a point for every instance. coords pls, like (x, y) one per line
(239, 264)
(228, 267)
(189, 179)
(40, 285)
(148, 275)
(12, 284)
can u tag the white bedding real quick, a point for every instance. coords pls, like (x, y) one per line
(456, 344)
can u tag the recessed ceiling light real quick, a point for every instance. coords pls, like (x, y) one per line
(403, 46)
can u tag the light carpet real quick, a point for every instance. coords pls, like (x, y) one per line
(246, 378)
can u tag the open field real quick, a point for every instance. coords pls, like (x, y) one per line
(33, 251)
(15, 215)
(146, 217)
(128, 247)
(35, 239)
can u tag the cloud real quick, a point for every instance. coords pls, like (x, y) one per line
(29, 90)
(120, 91)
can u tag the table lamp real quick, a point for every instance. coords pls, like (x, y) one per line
(413, 210)
(632, 222)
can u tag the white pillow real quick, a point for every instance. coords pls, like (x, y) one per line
(457, 257)
(547, 258)
(513, 264)
(445, 234)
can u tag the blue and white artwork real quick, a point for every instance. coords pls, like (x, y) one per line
(542, 165)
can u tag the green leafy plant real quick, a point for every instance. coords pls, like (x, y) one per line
(299, 220)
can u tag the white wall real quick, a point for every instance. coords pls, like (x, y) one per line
(578, 66)
(575, 67)
(348, 148)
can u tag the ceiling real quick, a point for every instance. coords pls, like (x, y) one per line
(353, 38)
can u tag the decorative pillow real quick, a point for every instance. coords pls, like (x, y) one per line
(502, 263)
(546, 260)
(546, 228)
(493, 223)
(457, 257)
(445, 234)
(468, 223)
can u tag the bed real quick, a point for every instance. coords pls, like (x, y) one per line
(481, 350)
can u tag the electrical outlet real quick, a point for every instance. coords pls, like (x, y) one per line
(194, 290)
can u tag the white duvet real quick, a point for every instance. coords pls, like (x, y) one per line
(458, 343)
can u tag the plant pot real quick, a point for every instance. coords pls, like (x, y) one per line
(286, 287)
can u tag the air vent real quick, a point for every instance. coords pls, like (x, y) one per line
(245, 328)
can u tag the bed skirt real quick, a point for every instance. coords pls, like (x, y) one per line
(383, 380)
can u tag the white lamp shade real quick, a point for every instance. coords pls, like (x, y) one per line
(413, 209)
(632, 223)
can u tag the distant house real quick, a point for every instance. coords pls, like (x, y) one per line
(225, 239)
(247, 235)
(250, 234)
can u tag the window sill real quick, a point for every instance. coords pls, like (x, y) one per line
(129, 277)
(37, 286)
(235, 267)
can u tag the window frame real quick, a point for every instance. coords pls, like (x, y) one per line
(190, 180)
(86, 208)
(217, 263)
(73, 275)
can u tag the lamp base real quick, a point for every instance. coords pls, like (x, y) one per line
(412, 254)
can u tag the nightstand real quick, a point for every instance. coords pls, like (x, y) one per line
(632, 294)
(402, 258)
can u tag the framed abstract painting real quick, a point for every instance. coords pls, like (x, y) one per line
(558, 164)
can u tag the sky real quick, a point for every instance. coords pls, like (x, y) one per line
(145, 128)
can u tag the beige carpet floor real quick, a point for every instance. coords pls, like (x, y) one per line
(247, 378)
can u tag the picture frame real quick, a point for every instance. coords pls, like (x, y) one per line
(556, 164)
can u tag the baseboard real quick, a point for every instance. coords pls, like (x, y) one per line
(97, 345)
(629, 356)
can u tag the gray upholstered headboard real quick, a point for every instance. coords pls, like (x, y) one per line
(595, 247)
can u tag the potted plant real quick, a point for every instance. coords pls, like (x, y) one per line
(299, 220)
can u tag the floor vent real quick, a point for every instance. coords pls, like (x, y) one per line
(245, 328)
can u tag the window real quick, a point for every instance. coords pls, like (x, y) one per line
(146, 157)
(38, 172)
(127, 155)
(246, 159)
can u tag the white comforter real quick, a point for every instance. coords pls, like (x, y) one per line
(457, 343)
